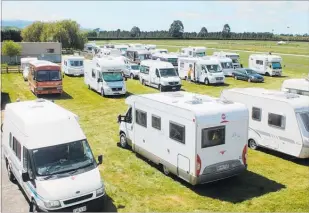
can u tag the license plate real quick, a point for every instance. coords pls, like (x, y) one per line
(173, 87)
(223, 167)
(80, 209)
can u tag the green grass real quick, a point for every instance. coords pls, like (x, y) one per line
(274, 182)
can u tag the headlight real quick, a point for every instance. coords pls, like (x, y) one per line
(100, 191)
(52, 204)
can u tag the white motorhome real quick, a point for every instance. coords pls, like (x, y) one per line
(24, 65)
(173, 59)
(194, 51)
(136, 55)
(150, 47)
(234, 56)
(108, 52)
(73, 65)
(155, 51)
(227, 65)
(122, 48)
(278, 120)
(269, 65)
(47, 153)
(137, 46)
(298, 86)
(159, 74)
(206, 70)
(104, 75)
(196, 137)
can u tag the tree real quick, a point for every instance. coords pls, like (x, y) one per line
(226, 32)
(176, 29)
(32, 33)
(10, 48)
(203, 33)
(135, 32)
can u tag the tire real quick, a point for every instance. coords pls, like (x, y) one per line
(143, 82)
(249, 80)
(252, 144)
(123, 141)
(165, 170)
(206, 81)
(235, 77)
(34, 207)
(131, 76)
(160, 88)
(267, 74)
(10, 173)
(89, 86)
(102, 92)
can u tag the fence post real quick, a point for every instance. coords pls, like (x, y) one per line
(7, 69)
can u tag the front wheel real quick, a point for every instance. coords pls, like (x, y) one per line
(252, 144)
(123, 140)
(132, 76)
(165, 170)
(34, 207)
(206, 81)
(10, 173)
(102, 92)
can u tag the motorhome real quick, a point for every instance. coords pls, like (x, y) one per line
(195, 137)
(205, 70)
(122, 47)
(234, 56)
(227, 65)
(173, 59)
(45, 77)
(47, 153)
(298, 86)
(104, 75)
(108, 52)
(278, 120)
(24, 65)
(194, 51)
(150, 47)
(132, 71)
(136, 55)
(159, 74)
(88, 47)
(73, 65)
(155, 51)
(269, 65)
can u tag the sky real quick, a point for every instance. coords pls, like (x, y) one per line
(242, 16)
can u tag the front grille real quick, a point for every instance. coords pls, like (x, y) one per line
(77, 199)
(48, 88)
(117, 89)
(219, 78)
(173, 83)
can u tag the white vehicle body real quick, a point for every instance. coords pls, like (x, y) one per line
(278, 120)
(136, 55)
(266, 64)
(73, 65)
(227, 65)
(122, 48)
(24, 65)
(132, 71)
(206, 70)
(37, 136)
(194, 51)
(177, 130)
(234, 56)
(89, 47)
(155, 51)
(108, 52)
(281, 42)
(159, 74)
(298, 86)
(137, 46)
(150, 46)
(104, 75)
(173, 59)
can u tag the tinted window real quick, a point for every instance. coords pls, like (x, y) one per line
(93, 73)
(213, 136)
(256, 114)
(17, 148)
(25, 158)
(144, 69)
(305, 119)
(276, 120)
(177, 132)
(156, 122)
(141, 118)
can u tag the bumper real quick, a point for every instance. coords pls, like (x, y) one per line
(215, 81)
(171, 87)
(45, 92)
(110, 92)
(274, 73)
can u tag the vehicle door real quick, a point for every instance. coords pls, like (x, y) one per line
(246, 75)
(93, 79)
(156, 77)
(127, 125)
(99, 80)
(27, 167)
(203, 73)
(242, 75)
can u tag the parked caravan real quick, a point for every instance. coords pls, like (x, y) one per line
(73, 65)
(45, 77)
(206, 70)
(278, 120)
(196, 137)
(194, 51)
(155, 51)
(159, 74)
(24, 65)
(122, 48)
(234, 56)
(269, 65)
(227, 65)
(173, 59)
(104, 75)
(298, 86)
(136, 55)
(132, 71)
(47, 153)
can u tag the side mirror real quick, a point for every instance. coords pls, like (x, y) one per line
(125, 78)
(241, 66)
(25, 176)
(119, 119)
(100, 80)
(100, 159)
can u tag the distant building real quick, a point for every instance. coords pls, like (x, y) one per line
(50, 51)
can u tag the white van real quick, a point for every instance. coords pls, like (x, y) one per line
(159, 74)
(278, 120)
(234, 56)
(227, 65)
(206, 70)
(269, 65)
(24, 66)
(47, 153)
(196, 137)
(172, 58)
(104, 75)
(298, 86)
(194, 51)
(73, 65)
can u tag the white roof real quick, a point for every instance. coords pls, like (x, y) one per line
(202, 60)
(157, 64)
(44, 123)
(110, 63)
(269, 57)
(73, 57)
(139, 51)
(194, 48)
(42, 63)
(221, 58)
(165, 55)
(221, 53)
(296, 83)
(121, 46)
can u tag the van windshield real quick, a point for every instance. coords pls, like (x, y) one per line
(50, 75)
(168, 72)
(276, 65)
(201, 54)
(76, 63)
(235, 61)
(214, 68)
(305, 119)
(112, 76)
(62, 158)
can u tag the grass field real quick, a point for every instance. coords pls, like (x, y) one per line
(274, 182)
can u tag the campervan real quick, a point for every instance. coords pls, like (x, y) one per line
(278, 120)
(233, 56)
(104, 75)
(206, 70)
(24, 65)
(47, 153)
(73, 65)
(159, 74)
(173, 59)
(136, 55)
(155, 51)
(227, 65)
(298, 86)
(269, 65)
(195, 137)
(150, 47)
(89, 47)
(194, 51)
(122, 47)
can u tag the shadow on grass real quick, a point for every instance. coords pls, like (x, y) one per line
(73, 76)
(5, 99)
(63, 96)
(109, 205)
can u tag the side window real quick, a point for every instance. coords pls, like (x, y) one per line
(256, 113)
(146, 70)
(129, 116)
(177, 132)
(10, 140)
(141, 118)
(17, 148)
(25, 158)
(276, 120)
(93, 73)
(157, 72)
(156, 122)
(214, 136)
(190, 52)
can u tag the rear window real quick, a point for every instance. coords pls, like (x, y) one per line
(177, 132)
(213, 136)
(276, 120)
(305, 119)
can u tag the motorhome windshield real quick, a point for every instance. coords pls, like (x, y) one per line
(305, 119)
(276, 65)
(172, 60)
(227, 65)
(135, 67)
(201, 54)
(76, 63)
(235, 61)
(62, 158)
(50, 75)
(112, 76)
(249, 71)
(144, 56)
(214, 68)
(168, 72)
